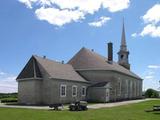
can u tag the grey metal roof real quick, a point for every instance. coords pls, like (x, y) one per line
(89, 60)
(59, 70)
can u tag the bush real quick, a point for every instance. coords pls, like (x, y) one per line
(8, 100)
(151, 93)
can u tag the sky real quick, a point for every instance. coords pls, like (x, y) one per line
(60, 28)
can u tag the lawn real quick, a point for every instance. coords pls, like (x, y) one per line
(127, 112)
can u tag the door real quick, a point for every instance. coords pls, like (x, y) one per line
(107, 95)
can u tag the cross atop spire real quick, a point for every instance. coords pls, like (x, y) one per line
(123, 38)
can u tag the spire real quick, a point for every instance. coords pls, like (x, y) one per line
(123, 38)
(123, 52)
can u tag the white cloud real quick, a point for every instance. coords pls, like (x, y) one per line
(67, 11)
(58, 17)
(102, 20)
(86, 6)
(28, 3)
(134, 35)
(7, 83)
(151, 20)
(151, 30)
(152, 15)
(154, 66)
(116, 5)
(2, 73)
(90, 6)
(151, 73)
(149, 77)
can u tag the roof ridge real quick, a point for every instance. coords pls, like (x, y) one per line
(58, 62)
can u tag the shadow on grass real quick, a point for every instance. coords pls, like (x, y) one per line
(153, 112)
(156, 113)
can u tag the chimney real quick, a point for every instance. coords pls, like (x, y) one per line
(110, 52)
(44, 57)
(62, 62)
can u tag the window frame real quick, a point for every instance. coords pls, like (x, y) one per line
(74, 86)
(65, 86)
(85, 88)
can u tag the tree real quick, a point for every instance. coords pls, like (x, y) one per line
(151, 93)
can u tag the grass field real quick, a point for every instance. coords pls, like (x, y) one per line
(127, 112)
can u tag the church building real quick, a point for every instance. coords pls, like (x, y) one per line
(87, 76)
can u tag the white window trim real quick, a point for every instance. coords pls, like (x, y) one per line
(85, 90)
(75, 92)
(62, 85)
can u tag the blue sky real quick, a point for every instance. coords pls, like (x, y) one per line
(60, 28)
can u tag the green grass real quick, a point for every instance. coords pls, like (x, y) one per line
(127, 112)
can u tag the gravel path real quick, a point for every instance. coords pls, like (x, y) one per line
(20, 106)
(108, 105)
(93, 106)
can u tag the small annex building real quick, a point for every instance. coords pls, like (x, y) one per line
(87, 76)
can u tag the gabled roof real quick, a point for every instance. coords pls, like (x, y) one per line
(89, 60)
(31, 70)
(57, 70)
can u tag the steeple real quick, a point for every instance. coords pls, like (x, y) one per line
(123, 39)
(123, 52)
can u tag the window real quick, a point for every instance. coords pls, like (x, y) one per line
(137, 88)
(74, 90)
(107, 94)
(126, 88)
(131, 88)
(83, 91)
(119, 88)
(63, 91)
(134, 87)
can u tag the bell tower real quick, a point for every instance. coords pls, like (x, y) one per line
(123, 53)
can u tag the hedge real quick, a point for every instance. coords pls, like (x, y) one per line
(8, 100)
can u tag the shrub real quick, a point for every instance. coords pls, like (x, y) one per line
(8, 95)
(8, 100)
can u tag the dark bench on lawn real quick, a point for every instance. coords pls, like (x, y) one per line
(56, 106)
(156, 108)
(78, 106)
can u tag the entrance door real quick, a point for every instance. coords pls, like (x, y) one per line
(107, 95)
